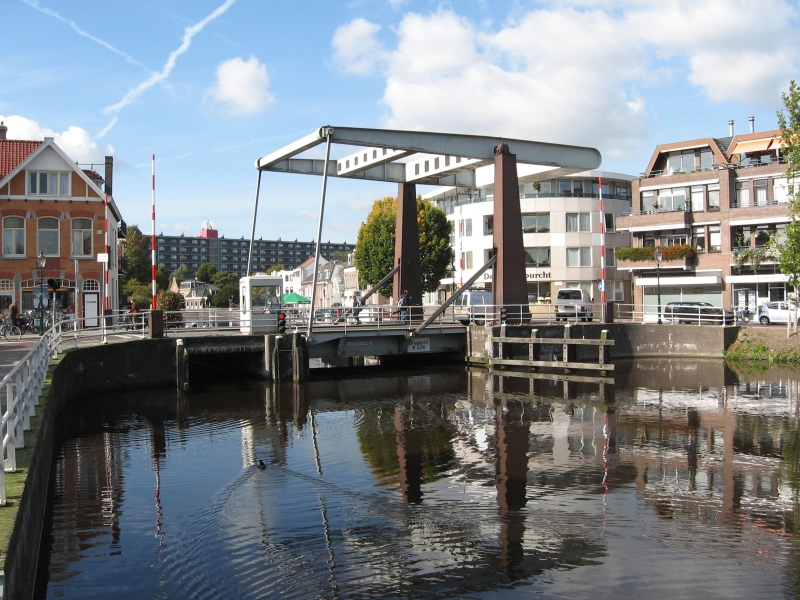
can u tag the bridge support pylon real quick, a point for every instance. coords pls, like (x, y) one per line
(286, 357)
(406, 251)
(510, 287)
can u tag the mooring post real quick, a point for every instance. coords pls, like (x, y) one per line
(602, 353)
(565, 347)
(531, 350)
(182, 364)
(299, 358)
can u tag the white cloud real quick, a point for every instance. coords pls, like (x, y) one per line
(243, 86)
(356, 47)
(572, 72)
(75, 141)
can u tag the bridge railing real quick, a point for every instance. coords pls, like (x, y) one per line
(680, 313)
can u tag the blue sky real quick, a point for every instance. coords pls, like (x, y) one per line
(208, 86)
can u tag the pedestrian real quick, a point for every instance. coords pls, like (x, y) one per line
(356, 310)
(402, 304)
(13, 312)
(133, 313)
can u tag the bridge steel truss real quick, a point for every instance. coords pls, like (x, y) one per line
(409, 158)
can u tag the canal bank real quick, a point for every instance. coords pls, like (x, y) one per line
(152, 363)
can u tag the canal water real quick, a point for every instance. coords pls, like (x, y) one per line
(680, 479)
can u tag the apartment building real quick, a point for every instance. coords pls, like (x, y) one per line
(717, 196)
(52, 210)
(561, 224)
(231, 254)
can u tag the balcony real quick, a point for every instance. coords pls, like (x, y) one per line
(677, 219)
(682, 264)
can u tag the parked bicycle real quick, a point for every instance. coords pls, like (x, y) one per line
(9, 331)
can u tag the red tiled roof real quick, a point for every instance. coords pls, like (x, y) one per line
(13, 152)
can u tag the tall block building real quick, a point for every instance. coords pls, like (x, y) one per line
(227, 254)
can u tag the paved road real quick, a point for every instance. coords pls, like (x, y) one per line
(12, 352)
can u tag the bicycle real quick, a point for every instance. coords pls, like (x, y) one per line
(9, 331)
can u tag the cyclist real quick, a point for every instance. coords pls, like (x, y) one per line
(13, 312)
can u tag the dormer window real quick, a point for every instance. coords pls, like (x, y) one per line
(43, 183)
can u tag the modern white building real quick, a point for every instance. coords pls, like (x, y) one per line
(561, 222)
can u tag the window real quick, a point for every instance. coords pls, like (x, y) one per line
(742, 194)
(780, 191)
(537, 257)
(706, 159)
(91, 285)
(42, 183)
(81, 237)
(488, 224)
(760, 186)
(681, 162)
(610, 227)
(13, 236)
(714, 239)
(565, 188)
(713, 197)
(611, 258)
(579, 257)
(536, 223)
(48, 236)
(649, 240)
(579, 222)
(617, 291)
(672, 200)
(466, 260)
(699, 239)
(647, 202)
(697, 198)
(675, 237)
(468, 227)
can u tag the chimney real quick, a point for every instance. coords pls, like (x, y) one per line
(752, 124)
(730, 127)
(3, 130)
(109, 174)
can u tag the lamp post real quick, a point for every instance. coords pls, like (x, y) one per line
(41, 260)
(658, 256)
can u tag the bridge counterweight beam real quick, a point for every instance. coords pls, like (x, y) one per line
(406, 250)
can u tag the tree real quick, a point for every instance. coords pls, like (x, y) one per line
(228, 292)
(221, 278)
(206, 272)
(789, 124)
(179, 274)
(374, 255)
(340, 255)
(162, 279)
(137, 254)
(276, 268)
(141, 292)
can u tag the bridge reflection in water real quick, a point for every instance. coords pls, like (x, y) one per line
(437, 484)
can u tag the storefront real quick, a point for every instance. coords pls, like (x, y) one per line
(681, 289)
(751, 291)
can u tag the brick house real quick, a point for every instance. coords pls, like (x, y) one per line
(718, 195)
(50, 206)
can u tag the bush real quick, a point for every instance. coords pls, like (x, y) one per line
(170, 302)
(669, 253)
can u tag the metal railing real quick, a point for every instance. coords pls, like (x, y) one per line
(674, 313)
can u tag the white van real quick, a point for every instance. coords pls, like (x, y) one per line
(573, 303)
(473, 306)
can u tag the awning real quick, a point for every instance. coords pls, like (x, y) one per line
(755, 145)
(668, 281)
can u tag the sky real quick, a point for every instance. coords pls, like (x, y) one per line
(209, 86)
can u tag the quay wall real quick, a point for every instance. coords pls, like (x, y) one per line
(129, 365)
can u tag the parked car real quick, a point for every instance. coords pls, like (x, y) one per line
(473, 307)
(697, 312)
(573, 303)
(774, 312)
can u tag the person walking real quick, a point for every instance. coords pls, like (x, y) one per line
(402, 304)
(356, 310)
(133, 313)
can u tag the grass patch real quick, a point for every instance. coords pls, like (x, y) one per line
(750, 349)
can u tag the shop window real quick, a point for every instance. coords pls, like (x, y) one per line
(48, 236)
(81, 237)
(13, 236)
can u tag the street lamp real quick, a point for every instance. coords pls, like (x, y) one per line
(658, 256)
(41, 260)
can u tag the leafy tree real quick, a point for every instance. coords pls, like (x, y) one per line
(221, 278)
(374, 255)
(141, 292)
(789, 123)
(340, 255)
(170, 302)
(206, 272)
(137, 253)
(180, 273)
(276, 268)
(228, 292)
(162, 279)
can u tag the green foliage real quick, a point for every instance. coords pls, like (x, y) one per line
(374, 255)
(222, 278)
(276, 268)
(162, 279)
(340, 255)
(141, 292)
(755, 256)
(137, 254)
(179, 274)
(170, 302)
(789, 123)
(206, 272)
(668, 253)
(228, 292)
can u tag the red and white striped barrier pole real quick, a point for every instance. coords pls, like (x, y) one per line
(602, 245)
(153, 234)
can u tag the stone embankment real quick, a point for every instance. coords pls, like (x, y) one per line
(760, 345)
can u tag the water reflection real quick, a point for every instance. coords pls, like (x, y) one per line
(679, 479)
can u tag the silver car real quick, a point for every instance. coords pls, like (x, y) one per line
(774, 312)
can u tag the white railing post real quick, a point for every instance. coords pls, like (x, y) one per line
(19, 397)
